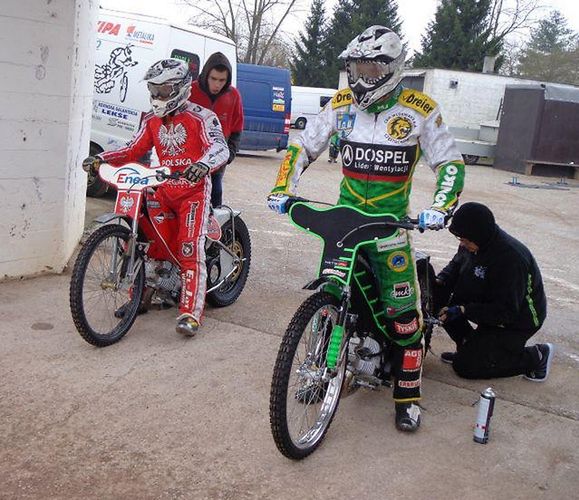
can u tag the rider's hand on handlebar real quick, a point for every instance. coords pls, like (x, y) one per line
(91, 164)
(431, 219)
(194, 173)
(278, 202)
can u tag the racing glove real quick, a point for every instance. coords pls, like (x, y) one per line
(448, 314)
(278, 202)
(194, 173)
(431, 219)
(91, 164)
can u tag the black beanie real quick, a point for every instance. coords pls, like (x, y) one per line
(475, 222)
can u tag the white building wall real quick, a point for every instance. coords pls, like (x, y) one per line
(475, 98)
(46, 63)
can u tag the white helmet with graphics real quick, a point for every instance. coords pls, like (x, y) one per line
(374, 62)
(169, 84)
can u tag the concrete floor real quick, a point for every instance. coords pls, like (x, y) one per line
(160, 416)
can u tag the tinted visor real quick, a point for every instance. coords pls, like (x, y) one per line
(368, 70)
(163, 91)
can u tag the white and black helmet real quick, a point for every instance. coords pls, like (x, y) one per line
(374, 63)
(169, 84)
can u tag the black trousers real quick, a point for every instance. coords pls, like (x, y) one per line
(487, 351)
(490, 352)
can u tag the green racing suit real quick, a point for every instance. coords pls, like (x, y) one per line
(380, 148)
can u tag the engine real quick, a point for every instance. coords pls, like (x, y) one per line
(364, 356)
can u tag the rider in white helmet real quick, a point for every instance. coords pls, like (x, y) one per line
(188, 139)
(384, 130)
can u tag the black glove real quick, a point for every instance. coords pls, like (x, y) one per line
(194, 173)
(448, 314)
(91, 164)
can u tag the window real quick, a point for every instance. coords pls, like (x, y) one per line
(191, 59)
(324, 99)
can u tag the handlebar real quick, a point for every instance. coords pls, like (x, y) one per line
(405, 223)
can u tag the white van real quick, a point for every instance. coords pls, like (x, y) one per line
(127, 45)
(307, 102)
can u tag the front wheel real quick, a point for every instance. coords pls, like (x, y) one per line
(105, 287)
(240, 244)
(304, 394)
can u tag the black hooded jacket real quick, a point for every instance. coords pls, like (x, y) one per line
(500, 285)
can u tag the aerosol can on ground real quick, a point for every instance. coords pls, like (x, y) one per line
(486, 405)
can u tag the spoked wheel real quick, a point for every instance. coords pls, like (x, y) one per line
(240, 245)
(304, 396)
(104, 293)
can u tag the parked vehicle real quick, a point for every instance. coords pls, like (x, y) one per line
(307, 102)
(135, 249)
(336, 341)
(127, 45)
(266, 95)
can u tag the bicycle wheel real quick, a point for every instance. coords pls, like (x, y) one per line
(228, 293)
(304, 397)
(102, 286)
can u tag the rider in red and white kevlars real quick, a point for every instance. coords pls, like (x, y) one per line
(188, 139)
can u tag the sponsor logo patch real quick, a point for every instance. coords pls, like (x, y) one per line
(408, 384)
(187, 249)
(398, 261)
(391, 311)
(397, 242)
(342, 98)
(399, 127)
(441, 199)
(480, 271)
(412, 360)
(379, 160)
(406, 328)
(402, 290)
(286, 167)
(334, 272)
(417, 101)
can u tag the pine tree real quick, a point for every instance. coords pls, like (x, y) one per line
(307, 64)
(459, 37)
(552, 53)
(349, 19)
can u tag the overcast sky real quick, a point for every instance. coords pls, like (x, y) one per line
(415, 14)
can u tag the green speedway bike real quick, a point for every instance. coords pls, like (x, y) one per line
(336, 341)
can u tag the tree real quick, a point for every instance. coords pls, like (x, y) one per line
(350, 18)
(465, 31)
(307, 63)
(254, 26)
(459, 37)
(552, 53)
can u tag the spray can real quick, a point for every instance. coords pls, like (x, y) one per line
(486, 405)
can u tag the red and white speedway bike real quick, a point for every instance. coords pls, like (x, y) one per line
(130, 261)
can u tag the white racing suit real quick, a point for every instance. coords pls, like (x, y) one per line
(380, 148)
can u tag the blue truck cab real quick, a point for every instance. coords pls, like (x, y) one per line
(266, 95)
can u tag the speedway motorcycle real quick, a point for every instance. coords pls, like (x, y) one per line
(337, 341)
(129, 263)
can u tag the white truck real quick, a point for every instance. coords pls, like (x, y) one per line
(127, 45)
(307, 102)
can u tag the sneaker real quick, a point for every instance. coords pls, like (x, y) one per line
(541, 372)
(448, 357)
(187, 325)
(407, 416)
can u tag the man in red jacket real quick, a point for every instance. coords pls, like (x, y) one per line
(187, 139)
(213, 90)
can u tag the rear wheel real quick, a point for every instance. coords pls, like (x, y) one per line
(104, 294)
(304, 395)
(240, 244)
(425, 280)
(300, 123)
